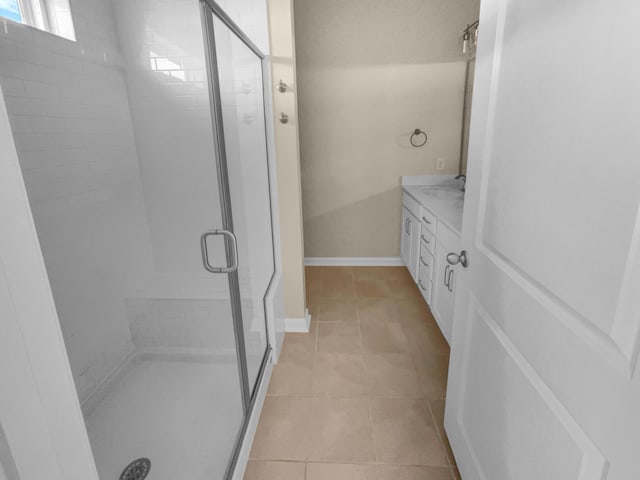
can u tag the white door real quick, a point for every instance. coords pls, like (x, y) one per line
(543, 381)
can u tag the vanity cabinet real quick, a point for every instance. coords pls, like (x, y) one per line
(426, 242)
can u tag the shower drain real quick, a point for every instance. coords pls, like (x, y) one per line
(136, 470)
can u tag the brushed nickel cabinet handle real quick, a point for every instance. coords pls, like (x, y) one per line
(426, 220)
(425, 240)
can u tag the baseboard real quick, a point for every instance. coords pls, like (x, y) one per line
(298, 325)
(252, 426)
(354, 261)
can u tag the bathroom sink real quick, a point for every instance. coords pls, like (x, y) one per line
(448, 193)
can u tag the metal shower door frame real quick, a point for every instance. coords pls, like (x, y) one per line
(210, 8)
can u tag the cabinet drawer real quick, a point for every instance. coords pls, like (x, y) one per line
(424, 275)
(426, 262)
(428, 240)
(411, 204)
(429, 220)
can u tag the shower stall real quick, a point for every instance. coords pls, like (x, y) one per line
(158, 235)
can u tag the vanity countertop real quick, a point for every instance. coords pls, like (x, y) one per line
(439, 193)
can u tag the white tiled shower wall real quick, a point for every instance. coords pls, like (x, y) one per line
(70, 116)
(163, 49)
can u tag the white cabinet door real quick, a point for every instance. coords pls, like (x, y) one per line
(425, 272)
(414, 248)
(410, 244)
(543, 377)
(443, 292)
(405, 241)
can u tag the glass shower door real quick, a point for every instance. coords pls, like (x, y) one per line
(238, 89)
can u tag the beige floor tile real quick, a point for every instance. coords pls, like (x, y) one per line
(425, 336)
(432, 370)
(342, 431)
(331, 273)
(405, 288)
(259, 470)
(337, 310)
(292, 375)
(313, 291)
(378, 310)
(339, 337)
(371, 272)
(383, 273)
(300, 342)
(337, 282)
(340, 471)
(339, 375)
(383, 338)
(314, 308)
(392, 375)
(398, 472)
(285, 430)
(372, 287)
(437, 410)
(404, 433)
(313, 273)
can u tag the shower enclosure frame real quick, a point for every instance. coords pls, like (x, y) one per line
(209, 9)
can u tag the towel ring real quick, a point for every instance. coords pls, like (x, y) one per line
(417, 132)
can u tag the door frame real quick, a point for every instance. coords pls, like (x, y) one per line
(42, 430)
(253, 395)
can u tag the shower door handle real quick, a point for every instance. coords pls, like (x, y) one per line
(205, 252)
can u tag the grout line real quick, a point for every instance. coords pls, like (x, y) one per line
(342, 462)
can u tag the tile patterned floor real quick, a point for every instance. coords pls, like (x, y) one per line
(360, 397)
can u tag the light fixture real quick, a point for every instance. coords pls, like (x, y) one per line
(469, 43)
(465, 42)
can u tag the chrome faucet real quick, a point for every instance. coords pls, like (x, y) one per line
(464, 180)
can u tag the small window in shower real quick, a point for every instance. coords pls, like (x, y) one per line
(11, 9)
(53, 16)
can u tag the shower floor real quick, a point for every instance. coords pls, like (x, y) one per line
(184, 416)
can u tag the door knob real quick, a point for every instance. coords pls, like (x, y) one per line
(454, 259)
(284, 118)
(282, 87)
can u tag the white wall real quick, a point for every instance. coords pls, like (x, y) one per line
(71, 122)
